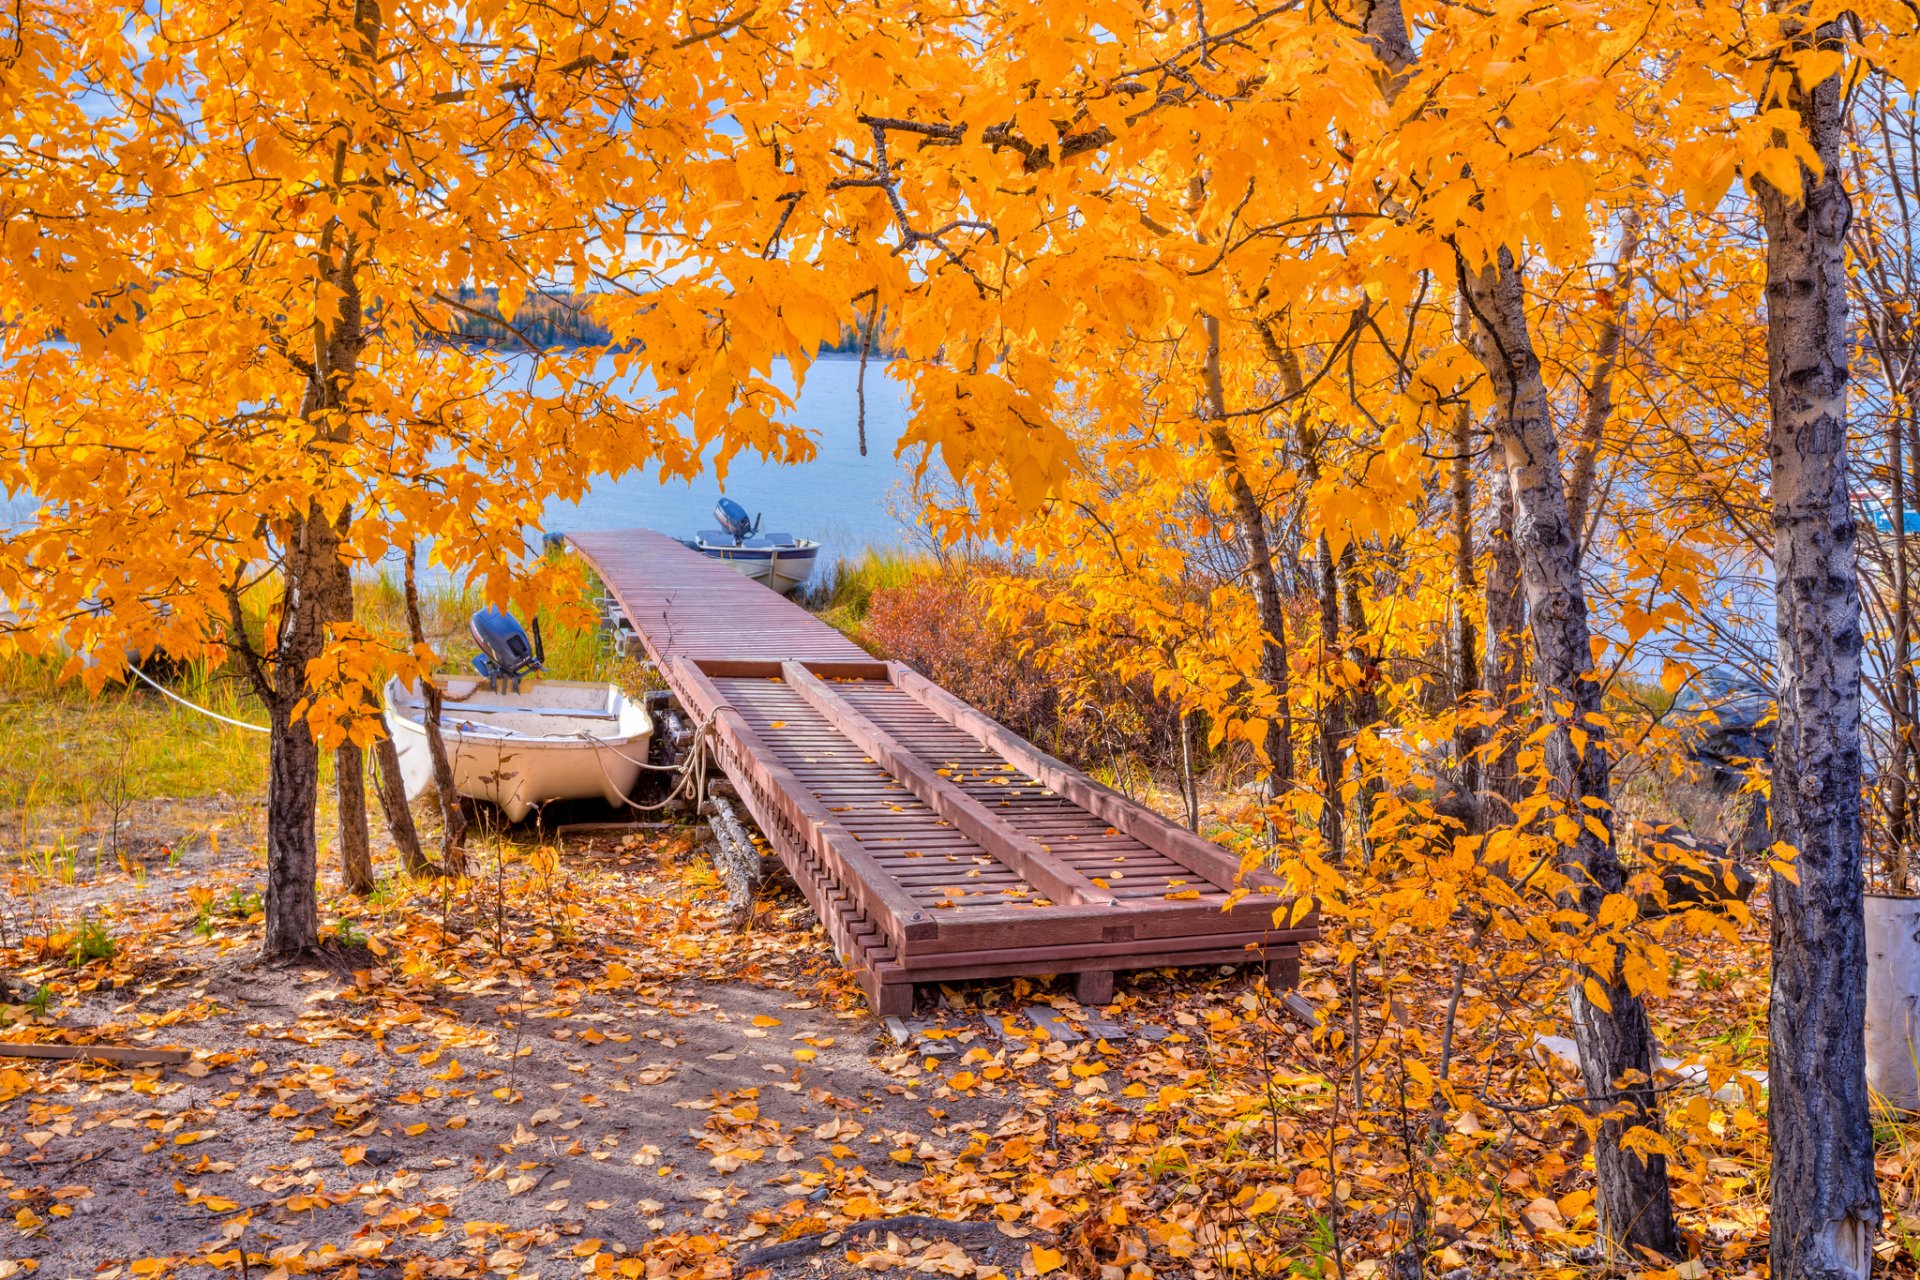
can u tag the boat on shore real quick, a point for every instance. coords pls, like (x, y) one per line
(777, 560)
(514, 738)
(547, 740)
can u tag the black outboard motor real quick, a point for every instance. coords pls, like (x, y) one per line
(505, 655)
(733, 518)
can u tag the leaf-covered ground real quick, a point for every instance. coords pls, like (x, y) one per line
(565, 1065)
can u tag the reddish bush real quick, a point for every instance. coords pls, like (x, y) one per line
(940, 625)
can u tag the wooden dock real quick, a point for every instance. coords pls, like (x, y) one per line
(934, 844)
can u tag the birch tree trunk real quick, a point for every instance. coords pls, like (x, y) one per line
(1614, 1037)
(1825, 1203)
(1615, 1041)
(293, 758)
(1506, 607)
(1581, 511)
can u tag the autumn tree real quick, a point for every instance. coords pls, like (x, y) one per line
(321, 187)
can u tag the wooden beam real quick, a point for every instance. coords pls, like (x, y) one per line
(1022, 852)
(1202, 857)
(899, 916)
(136, 1054)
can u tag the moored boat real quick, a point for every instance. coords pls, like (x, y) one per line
(515, 739)
(548, 740)
(779, 560)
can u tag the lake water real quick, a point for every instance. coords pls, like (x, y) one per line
(840, 499)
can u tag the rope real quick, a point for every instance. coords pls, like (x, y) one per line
(194, 706)
(694, 769)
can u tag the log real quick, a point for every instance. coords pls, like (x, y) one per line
(105, 1052)
(736, 857)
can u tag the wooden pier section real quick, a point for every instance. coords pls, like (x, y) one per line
(934, 844)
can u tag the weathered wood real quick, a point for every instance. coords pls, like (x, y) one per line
(1093, 986)
(1200, 856)
(973, 819)
(105, 1052)
(933, 844)
(903, 918)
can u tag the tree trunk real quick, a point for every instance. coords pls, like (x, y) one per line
(1363, 704)
(293, 758)
(1506, 632)
(1466, 659)
(349, 763)
(1825, 1203)
(393, 802)
(1615, 1041)
(1606, 361)
(1333, 825)
(1898, 803)
(453, 819)
(350, 794)
(1252, 521)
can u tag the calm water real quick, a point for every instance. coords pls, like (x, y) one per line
(840, 499)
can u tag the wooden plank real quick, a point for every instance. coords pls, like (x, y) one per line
(1202, 857)
(1046, 873)
(902, 918)
(135, 1054)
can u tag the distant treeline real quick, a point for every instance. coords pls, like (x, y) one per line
(546, 320)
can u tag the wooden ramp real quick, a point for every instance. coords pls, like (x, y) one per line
(933, 843)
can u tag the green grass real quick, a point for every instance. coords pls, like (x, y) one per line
(844, 592)
(68, 749)
(77, 759)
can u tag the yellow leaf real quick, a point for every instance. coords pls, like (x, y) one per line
(1045, 1260)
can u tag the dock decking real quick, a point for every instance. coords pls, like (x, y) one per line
(933, 843)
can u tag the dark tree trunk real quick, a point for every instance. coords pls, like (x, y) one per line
(349, 763)
(1825, 1203)
(1252, 522)
(293, 787)
(1466, 588)
(356, 843)
(1333, 823)
(293, 758)
(1614, 1037)
(453, 819)
(393, 802)
(1363, 703)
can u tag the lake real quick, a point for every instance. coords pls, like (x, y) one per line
(840, 499)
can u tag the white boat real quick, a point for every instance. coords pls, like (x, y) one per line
(778, 560)
(543, 740)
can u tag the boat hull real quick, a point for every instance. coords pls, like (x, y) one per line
(555, 740)
(784, 569)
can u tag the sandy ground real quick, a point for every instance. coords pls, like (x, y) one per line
(577, 1073)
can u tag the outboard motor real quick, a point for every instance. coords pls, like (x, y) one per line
(506, 656)
(733, 518)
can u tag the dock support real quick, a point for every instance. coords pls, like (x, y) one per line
(1283, 971)
(1093, 987)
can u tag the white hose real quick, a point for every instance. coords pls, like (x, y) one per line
(193, 706)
